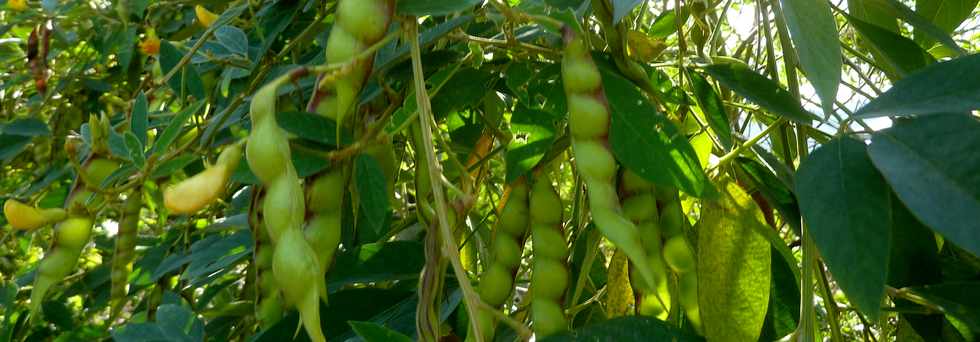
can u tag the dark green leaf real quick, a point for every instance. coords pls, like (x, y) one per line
(420, 8)
(179, 323)
(931, 162)
(777, 194)
(626, 329)
(713, 108)
(233, 39)
(12, 145)
(898, 53)
(373, 332)
(814, 33)
(534, 133)
(915, 255)
(784, 300)
(760, 90)
(138, 121)
(135, 149)
(666, 24)
(932, 90)
(946, 14)
(647, 142)
(174, 127)
(313, 127)
(168, 167)
(845, 203)
(376, 262)
(27, 127)
(957, 299)
(925, 26)
(373, 193)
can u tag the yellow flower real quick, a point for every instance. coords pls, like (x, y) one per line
(17, 5)
(150, 45)
(205, 17)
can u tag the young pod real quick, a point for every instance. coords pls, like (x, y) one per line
(549, 274)
(25, 217)
(296, 270)
(124, 251)
(70, 237)
(202, 189)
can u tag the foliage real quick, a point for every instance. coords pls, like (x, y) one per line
(490, 170)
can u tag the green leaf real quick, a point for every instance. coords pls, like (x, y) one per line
(814, 33)
(534, 133)
(626, 329)
(957, 299)
(313, 127)
(373, 192)
(187, 77)
(946, 14)
(875, 12)
(648, 143)
(713, 108)
(26, 127)
(135, 149)
(734, 266)
(760, 90)
(138, 121)
(420, 8)
(777, 194)
(373, 332)
(666, 23)
(232, 38)
(933, 90)
(377, 262)
(168, 167)
(845, 203)
(915, 255)
(179, 323)
(783, 313)
(931, 162)
(174, 128)
(925, 26)
(896, 53)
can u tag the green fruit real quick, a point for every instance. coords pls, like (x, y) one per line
(632, 182)
(549, 318)
(326, 194)
(580, 75)
(323, 234)
(545, 204)
(640, 207)
(97, 170)
(366, 19)
(587, 117)
(283, 206)
(549, 279)
(594, 161)
(672, 219)
(495, 285)
(548, 242)
(342, 46)
(296, 270)
(73, 232)
(507, 251)
(514, 216)
(267, 151)
(678, 255)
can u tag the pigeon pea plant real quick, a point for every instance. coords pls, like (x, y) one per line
(489, 170)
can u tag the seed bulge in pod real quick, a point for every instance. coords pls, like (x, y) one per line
(548, 242)
(283, 206)
(366, 19)
(267, 151)
(507, 251)
(495, 285)
(580, 75)
(549, 278)
(587, 117)
(640, 207)
(342, 46)
(678, 254)
(594, 161)
(549, 318)
(73, 232)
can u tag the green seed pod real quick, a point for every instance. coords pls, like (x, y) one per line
(367, 19)
(678, 254)
(323, 234)
(672, 218)
(267, 151)
(97, 170)
(549, 318)
(545, 204)
(283, 205)
(507, 251)
(124, 252)
(514, 215)
(594, 160)
(588, 117)
(326, 194)
(548, 242)
(296, 270)
(268, 301)
(640, 207)
(687, 286)
(342, 45)
(495, 285)
(580, 75)
(550, 278)
(70, 237)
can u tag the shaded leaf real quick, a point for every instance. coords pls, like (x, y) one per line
(897, 53)
(174, 128)
(713, 108)
(372, 192)
(931, 90)
(814, 33)
(626, 329)
(760, 90)
(957, 299)
(845, 203)
(138, 121)
(534, 133)
(931, 163)
(420, 8)
(373, 332)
